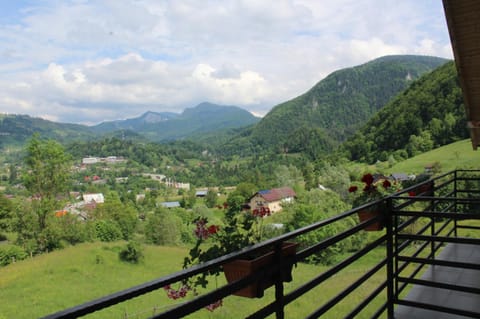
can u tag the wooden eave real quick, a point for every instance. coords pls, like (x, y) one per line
(463, 20)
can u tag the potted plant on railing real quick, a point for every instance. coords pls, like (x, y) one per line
(370, 192)
(426, 189)
(240, 268)
(241, 229)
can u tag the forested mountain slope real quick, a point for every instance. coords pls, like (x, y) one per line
(191, 123)
(135, 124)
(338, 105)
(16, 129)
(430, 113)
(203, 119)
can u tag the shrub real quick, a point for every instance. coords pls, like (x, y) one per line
(163, 228)
(8, 254)
(72, 230)
(106, 230)
(132, 253)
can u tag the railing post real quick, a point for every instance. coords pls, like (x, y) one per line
(390, 254)
(455, 188)
(279, 307)
(433, 207)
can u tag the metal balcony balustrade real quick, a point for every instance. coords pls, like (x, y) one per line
(437, 236)
(420, 224)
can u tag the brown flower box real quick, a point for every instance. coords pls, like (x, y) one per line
(365, 215)
(240, 268)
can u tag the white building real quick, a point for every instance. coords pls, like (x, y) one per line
(90, 160)
(93, 198)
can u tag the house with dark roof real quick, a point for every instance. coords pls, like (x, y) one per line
(201, 193)
(399, 177)
(272, 198)
(170, 204)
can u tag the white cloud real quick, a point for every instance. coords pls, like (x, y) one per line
(80, 61)
(247, 88)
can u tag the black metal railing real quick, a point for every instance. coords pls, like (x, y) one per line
(417, 226)
(423, 225)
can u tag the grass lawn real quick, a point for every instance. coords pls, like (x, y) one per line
(48, 283)
(61, 279)
(458, 155)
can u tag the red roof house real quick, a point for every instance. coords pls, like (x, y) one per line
(272, 198)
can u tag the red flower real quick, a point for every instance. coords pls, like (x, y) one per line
(369, 188)
(200, 231)
(386, 183)
(352, 189)
(261, 212)
(215, 305)
(174, 293)
(411, 193)
(367, 179)
(213, 229)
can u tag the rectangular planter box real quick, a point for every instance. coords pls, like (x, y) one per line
(240, 268)
(365, 215)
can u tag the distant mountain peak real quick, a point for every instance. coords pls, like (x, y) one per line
(155, 117)
(204, 118)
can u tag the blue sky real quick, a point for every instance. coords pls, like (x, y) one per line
(83, 61)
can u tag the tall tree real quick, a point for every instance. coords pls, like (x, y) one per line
(13, 174)
(47, 176)
(113, 210)
(6, 208)
(211, 198)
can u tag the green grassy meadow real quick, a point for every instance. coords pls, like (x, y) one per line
(52, 282)
(65, 278)
(458, 155)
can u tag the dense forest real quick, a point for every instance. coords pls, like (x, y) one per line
(191, 123)
(430, 113)
(337, 106)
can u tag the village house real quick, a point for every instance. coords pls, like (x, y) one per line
(399, 177)
(81, 208)
(201, 193)
(91, 200)
(272, 198)
(167, 181)
(109, 160)
(170, 204)
(90, 160)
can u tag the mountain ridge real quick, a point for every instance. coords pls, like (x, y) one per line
(203, 118)
(428, 114)
(156, 126)
(315, 122)
(340, 103)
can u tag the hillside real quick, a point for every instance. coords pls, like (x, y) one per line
(192, 122)
(135, 124)
(204, 119)
(457, 155)
(430, 113)
(16, 129)
(337, 106)
(313, 123)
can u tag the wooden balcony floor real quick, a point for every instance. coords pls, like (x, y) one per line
(446, 297)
